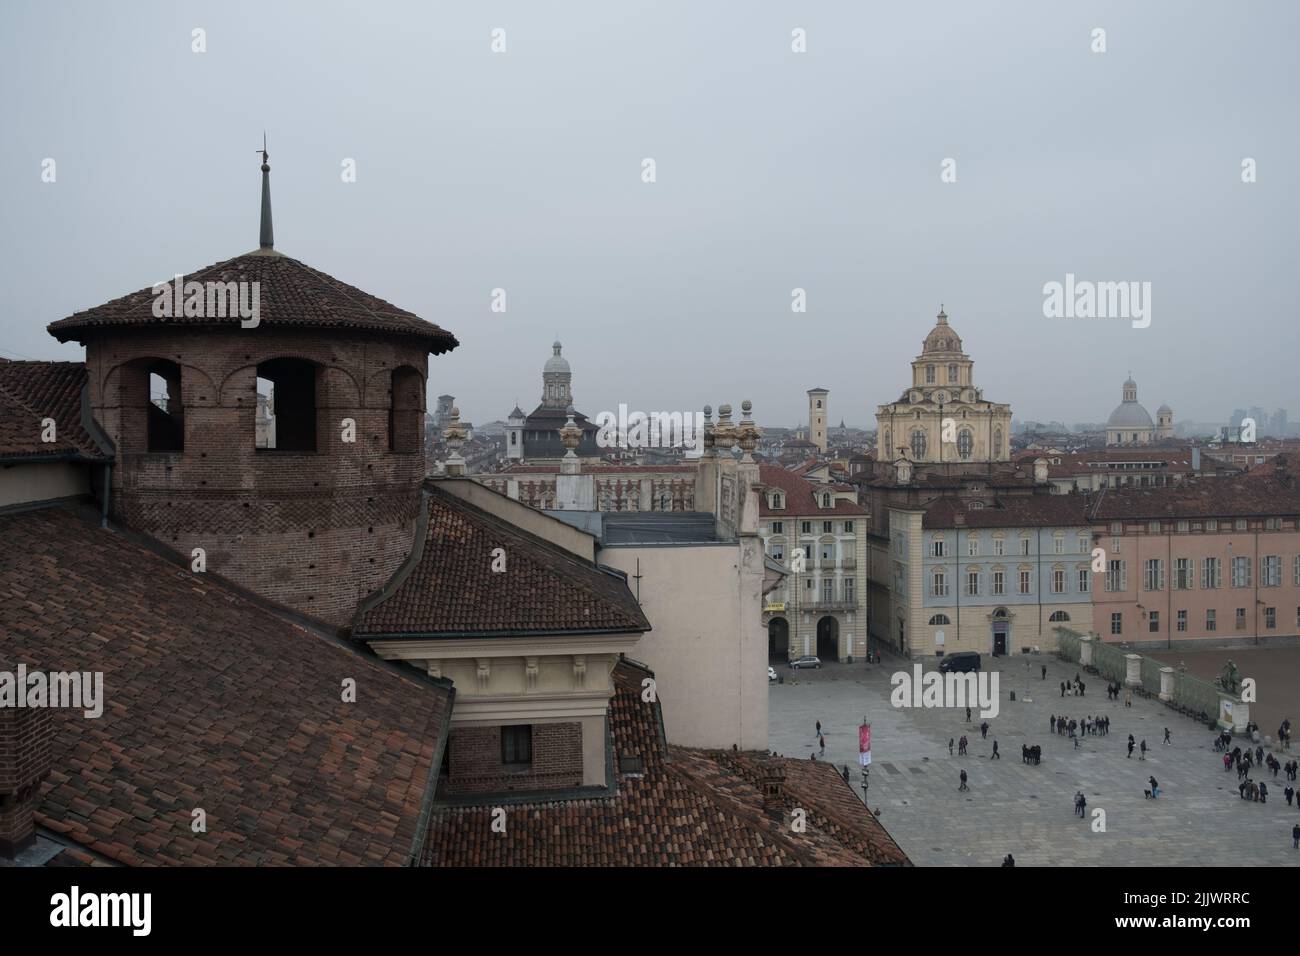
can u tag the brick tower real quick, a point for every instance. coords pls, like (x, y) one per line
(313, 506)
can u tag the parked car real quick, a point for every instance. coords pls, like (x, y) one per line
(771, 673)
(960, 662)
(807, 661)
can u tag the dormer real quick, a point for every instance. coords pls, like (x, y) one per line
(776, 500)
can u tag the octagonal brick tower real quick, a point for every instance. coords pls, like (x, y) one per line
(307, 495)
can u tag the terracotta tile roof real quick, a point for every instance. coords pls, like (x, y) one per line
(292, 295)
(686, 808)
(452, 590)
(595, 468)
(211, 702)
(1173, 460)
(1240, 496)
(1015, 511)
(32, 391)
(801, 495)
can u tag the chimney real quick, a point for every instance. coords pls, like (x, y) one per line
(774, 788)
(25, 737)
(1040, 471)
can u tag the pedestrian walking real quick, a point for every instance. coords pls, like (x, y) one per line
(1062, 688)
(996, 755)
(949, 746)
(1295, 836)
(1155, 788)
(1144, 751)
(1044, 672)
(1166, 740)
(961, 746)
(963, 782)
(822, 740)
(968, 715)
(984, 730)
(1131, 745)
(1289, 793)
(819, 728)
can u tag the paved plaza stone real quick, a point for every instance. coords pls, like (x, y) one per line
(1028, 811)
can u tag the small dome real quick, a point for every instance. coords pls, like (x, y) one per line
(1164, 410)
(1129, 415)
(942, 338)
(557, 362)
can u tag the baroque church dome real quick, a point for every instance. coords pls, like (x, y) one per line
(942, 338)
(1130, 414)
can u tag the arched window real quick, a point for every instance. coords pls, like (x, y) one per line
(406, 412)
(153, 413)
(1059, 616)
(965, 443)
(918, 444)
(287, 390)
(929, 375)
(939, 620)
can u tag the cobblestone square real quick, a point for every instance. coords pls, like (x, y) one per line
(1028, 811)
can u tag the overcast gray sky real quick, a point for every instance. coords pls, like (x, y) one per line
(775, 170)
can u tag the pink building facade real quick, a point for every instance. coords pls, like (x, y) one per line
(1217, 563)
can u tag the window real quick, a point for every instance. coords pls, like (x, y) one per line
(929, 375)
(848, 527)
(151, 391)
(806, 527)
(848, 591)
(1183, 526)
(1084, 540)
(952, 373)
(1241, 618)
(1058, 616)
(1085, 580)
(1153, 578)
(918, 444)
(1024, 582)
(1116, 545)
(1116, 622)
(1240, 524)
(1153, 527)
(999, 546)
(1211, 621)
(939, 620)
(1241, 572)
(1117, 527)
(1116, 576)
(1212, 525)
(900, 579)
(1182, 620)
(1270, 571)
(290, 403)
(1270, 618)
(406, 412)
(940, 587)
(1058, 581)
(826, 527)
(999, 582)
(972, 583)
(1295, 571)
(1211, 573)
(965, 444)
(1183, 574)
(828, 591)
(517, 746)
(973, 550)
(826, 501)
(1058, 544)
(776, 502)
(937, 548)
(1024, 545)
(1153, 622)
(778, 527)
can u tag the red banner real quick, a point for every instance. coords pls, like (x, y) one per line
(864, 745)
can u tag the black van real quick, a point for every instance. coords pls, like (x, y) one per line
(960, 662)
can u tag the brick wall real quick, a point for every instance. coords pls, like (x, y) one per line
(25, 736)
(474, 763)
(316, 530)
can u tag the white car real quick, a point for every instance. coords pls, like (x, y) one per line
(771, 673)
